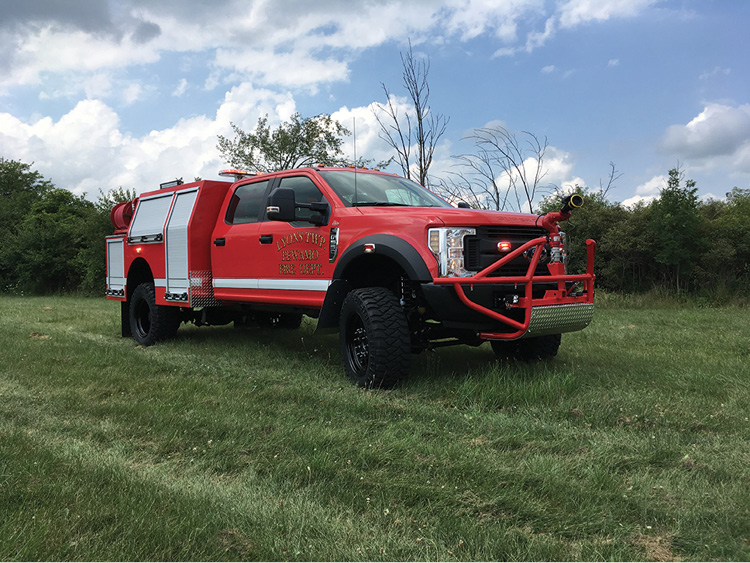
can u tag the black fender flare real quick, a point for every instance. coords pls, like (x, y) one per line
(390, 246)
(397, 249)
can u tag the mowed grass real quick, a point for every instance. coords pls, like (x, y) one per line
(633, 444)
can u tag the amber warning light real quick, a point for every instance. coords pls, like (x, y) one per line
(503, 246)
(234, 173)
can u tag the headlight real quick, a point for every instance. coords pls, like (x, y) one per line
(447, 244)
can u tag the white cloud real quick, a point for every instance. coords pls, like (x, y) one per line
(653, 186)
(717, 71)
(636, 199)
(55, 51)
(577, 12)
(86, 150)
(548, 69)
(613, 63)
(647, 192)
(362, 121)
(181, 88)
(277, 41)
(283, 69)
(718, 137)
(132, 93)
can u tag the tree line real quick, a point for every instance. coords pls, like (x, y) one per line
(675, 242)
(52, 241)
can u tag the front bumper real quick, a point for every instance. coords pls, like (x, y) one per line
(568, 308)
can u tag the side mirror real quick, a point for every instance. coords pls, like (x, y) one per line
(281, 205)
(463, 205)
(323, 211)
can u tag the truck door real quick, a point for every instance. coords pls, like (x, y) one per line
(293, 265)
(234, 243)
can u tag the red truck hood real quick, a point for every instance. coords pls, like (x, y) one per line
(449, 217)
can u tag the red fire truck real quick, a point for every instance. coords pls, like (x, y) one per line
(392, 267)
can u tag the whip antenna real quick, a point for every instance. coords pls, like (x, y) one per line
(354, 132)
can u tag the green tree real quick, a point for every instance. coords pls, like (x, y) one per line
(52, 240)
(675, 220)
(20, 188)
(295, 143)
(626, 257)
(723, 267)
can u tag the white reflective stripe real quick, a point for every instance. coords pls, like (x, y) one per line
(280, 283)
(161, 282)
(304, 285)
(235, 283)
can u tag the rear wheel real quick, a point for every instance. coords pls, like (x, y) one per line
(374, 338)
(528, 349)
(151, 323)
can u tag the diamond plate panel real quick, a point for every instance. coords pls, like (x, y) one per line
(202, 289)
(553, 319)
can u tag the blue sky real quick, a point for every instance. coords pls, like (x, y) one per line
(103, 93)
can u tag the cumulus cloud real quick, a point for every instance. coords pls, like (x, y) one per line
(647, 192)
(86, 149)
(362, 121)
(282, 43)
(717, 138)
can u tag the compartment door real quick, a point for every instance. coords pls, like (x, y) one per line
(176, 248)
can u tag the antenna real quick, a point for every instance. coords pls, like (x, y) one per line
(354, 130)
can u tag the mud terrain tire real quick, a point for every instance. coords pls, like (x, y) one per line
(374, 338)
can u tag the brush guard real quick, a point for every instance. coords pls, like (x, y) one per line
(561, 310)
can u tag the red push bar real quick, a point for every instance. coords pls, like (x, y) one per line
(527, 301)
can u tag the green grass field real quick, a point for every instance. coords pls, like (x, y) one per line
(633, 444)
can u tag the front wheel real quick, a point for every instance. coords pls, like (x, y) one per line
(151, 323)
(374, 338)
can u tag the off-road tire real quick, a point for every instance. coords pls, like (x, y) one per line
(374, 338)
(528, 349)
(151, 323)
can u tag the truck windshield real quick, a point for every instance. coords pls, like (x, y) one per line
(362, 189)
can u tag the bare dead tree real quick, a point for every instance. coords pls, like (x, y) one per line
(614, 175)
(504, 173)
(419, 129)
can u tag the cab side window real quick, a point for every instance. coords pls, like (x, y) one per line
(245, 205)
(305, 191)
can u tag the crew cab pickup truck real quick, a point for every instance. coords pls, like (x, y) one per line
(388, 264)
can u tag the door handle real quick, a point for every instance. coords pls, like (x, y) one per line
(220, 241)
(266, 239)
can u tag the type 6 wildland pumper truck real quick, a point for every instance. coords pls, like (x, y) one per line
(391, 266)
